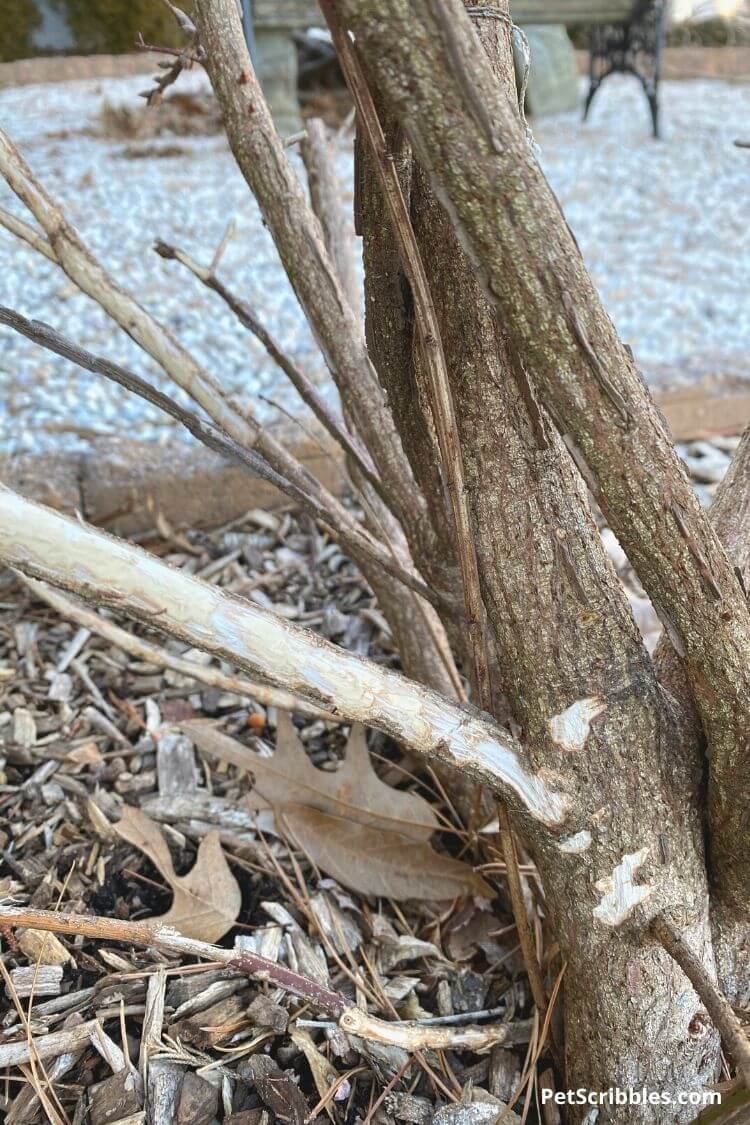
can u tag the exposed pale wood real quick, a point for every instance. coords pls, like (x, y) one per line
(46, 545)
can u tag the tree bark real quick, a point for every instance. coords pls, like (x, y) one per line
(389, 330)
(423, 57)
(417, 630)
(568, 646)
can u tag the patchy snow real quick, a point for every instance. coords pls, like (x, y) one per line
(663, 226)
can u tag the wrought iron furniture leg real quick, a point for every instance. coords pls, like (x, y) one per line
(630, 48)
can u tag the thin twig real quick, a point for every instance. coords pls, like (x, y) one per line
(154, 654)
(175, 52)
(309, 394)
(23, 230)
(718, 1007)
(350, 1018)
(305, 489)
(456, 1020)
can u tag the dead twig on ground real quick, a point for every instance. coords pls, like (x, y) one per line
(350, 1018)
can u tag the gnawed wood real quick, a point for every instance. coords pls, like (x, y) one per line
(46, 545)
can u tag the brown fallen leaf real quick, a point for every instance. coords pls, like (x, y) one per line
(354, 791)
(208, 899)
(374, 862)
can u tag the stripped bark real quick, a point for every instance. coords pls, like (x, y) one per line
(389, 326)
(46, 545)
(430, 345)
(417, 630)
(466, 132)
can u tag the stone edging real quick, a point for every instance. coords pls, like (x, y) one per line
(122, 485)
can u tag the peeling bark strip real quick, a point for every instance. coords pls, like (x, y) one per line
(43, 544)
(423, 56)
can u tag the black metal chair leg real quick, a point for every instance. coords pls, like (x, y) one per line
(593, 87)
(653, 104)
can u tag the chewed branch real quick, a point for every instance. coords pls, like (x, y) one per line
(44, 544)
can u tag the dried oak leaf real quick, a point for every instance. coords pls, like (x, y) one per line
(354, 791)
(370, 837)
(374, 862)
(208, 899)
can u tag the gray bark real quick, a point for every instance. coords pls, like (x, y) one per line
(423, 58)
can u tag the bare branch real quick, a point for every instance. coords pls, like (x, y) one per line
(46, 545)
(719, 1008)
(325, 197)
(35, 239)
(301, 485)
(420, 635)
(410, 1036)
(299, 380)
(296, 232)
(161, 658)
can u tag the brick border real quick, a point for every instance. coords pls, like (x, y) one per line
(122, 485)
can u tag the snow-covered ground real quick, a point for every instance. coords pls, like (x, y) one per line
(664, 227)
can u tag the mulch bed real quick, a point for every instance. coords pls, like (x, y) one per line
(86, 730)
